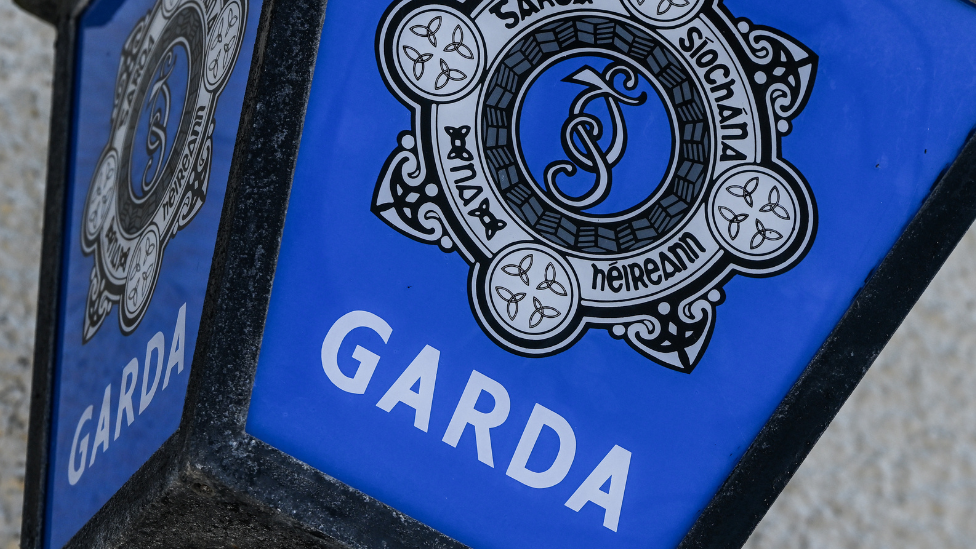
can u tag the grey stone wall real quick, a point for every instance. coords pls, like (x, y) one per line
(896, 469)
(26, 61)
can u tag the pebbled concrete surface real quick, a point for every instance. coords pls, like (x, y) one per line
(896, 469)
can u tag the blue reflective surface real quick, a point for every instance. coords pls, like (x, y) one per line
(83, 371)
(891, 108)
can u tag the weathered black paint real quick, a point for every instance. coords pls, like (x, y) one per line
(48, 304)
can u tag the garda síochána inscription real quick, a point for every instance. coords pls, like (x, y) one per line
(553, 249)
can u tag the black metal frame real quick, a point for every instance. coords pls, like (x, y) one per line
(207, 487)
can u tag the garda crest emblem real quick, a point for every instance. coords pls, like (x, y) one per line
(151, 179)
(600, 164)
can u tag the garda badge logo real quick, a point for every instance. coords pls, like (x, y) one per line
(600, 164)
(152, 176)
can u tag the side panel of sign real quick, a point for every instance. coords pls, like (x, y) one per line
(549, 266)
(157, 105)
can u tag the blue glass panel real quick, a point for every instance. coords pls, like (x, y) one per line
(157, 105)
(849, 110)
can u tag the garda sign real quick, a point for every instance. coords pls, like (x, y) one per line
(157, 97)
(483, 273)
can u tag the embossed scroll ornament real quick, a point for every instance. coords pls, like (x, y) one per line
(152, 176)
(552, 252)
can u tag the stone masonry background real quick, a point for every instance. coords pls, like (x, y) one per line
(897, 468)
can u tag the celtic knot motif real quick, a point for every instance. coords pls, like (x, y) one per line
(419, 60)
(745, 191)
(527, 274)
(763, 234)
(457, 44)
(735, 220)
(102, 189)
(491, 223)
(512, 299)
(459, 143)
(541, 313)
(785, 72)
(447, 75)
(774, 217)
(665, 5)
(438, 37)
(774, 206)
(550, 282)
(226, 39)
(141, 274)
(428, 31)
(522, 270)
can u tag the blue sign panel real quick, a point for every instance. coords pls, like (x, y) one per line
(157, 105)
(549, 266)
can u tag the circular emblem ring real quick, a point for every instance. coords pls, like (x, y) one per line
(549, 215)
